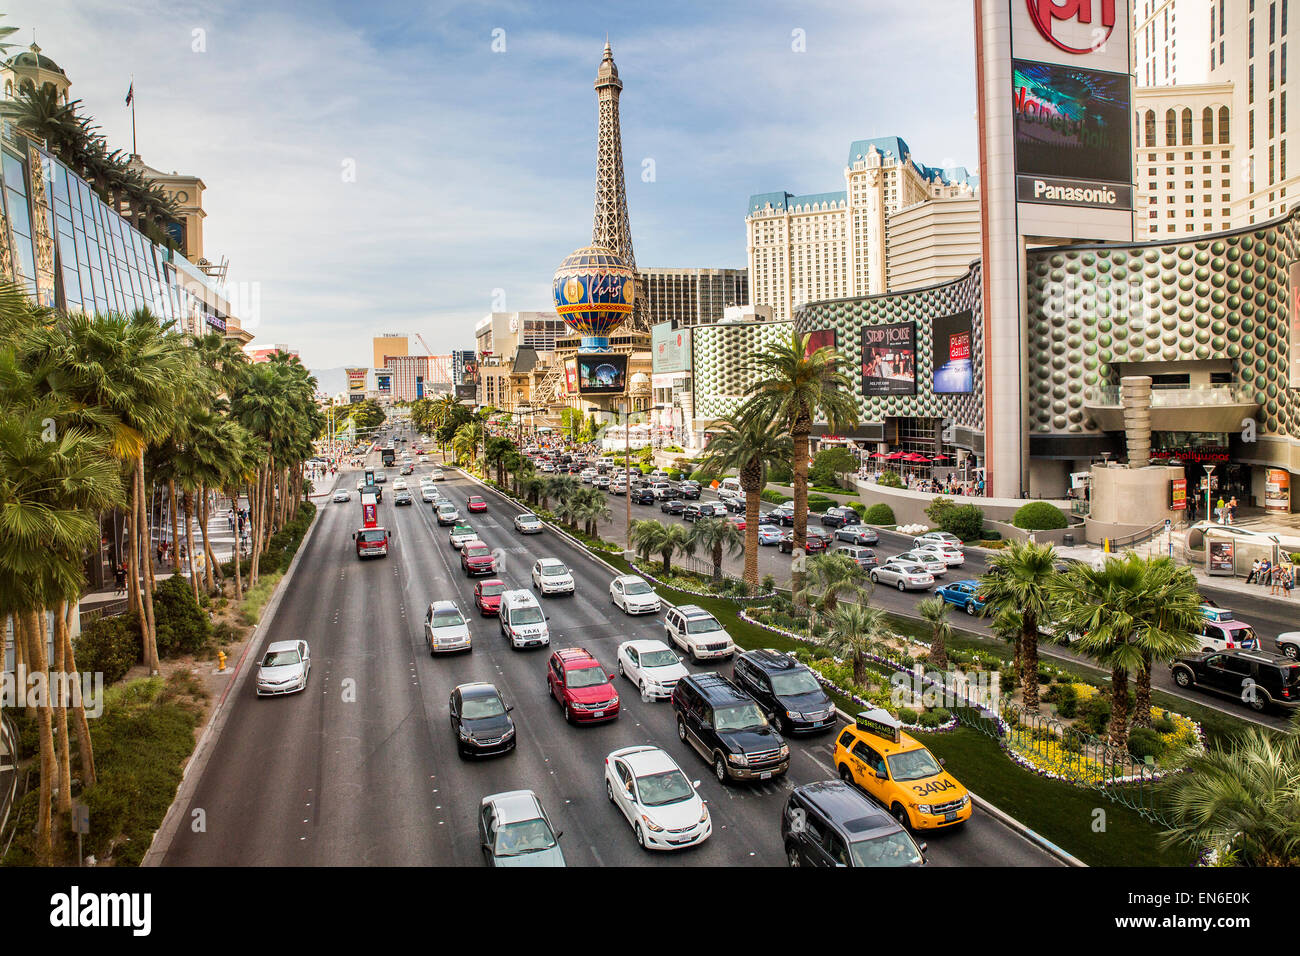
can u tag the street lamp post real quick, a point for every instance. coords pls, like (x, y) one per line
(1209, 474)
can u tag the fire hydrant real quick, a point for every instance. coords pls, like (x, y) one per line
(221, 662)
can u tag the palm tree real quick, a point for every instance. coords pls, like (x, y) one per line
(793, 388)
(592, 508)
(465, 443)
(654, 537)
(561, 488)
(1129, 612)
(750, 447)
(644, 536)
(934, 611)
(1242, 801)
(856, 631)
(836, 576)
(1018, 580)
(716, 535)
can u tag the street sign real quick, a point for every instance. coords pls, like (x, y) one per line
(80, 818)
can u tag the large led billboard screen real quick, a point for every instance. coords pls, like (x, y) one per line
(953, 368)
(602, 373)
(889, 359)
(1073, 135)
(670, 348)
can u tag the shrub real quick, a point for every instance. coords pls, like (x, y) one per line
(890, 479)
(933, 718)
(1163, 725)
(907, 715)
(773, 497)
(1067, 700)
(1094, 713)
(780, 473)
(818, 505)
(226, 633)
(879, 513)
(965, 521)
(938, 510)
(988, 534)
(769, 583)
(109, 645)
(1007, 681)
(830, 463)
(1039, 516)
(1144, 742)
(859, 507)
(182, 626)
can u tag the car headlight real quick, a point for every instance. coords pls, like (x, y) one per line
(464, 734)
(508, 734)
(650, 824)
(785, 750)
(965, 799)
(704, 812)
(740, 759)
(794, 715)
(924, 807)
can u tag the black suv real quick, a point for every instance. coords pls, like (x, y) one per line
(643, 496)
(1256, 678)
(695, 512)
(728, 729)
(839, 517)
(832, 824)
(786, 689)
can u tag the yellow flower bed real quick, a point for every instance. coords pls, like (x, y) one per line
(1184, 732)
(1085, 691)
(1051, 758)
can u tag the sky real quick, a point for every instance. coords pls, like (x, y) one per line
(410, 167)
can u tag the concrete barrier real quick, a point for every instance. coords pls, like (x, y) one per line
(909, 506)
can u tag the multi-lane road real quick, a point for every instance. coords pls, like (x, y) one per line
(1269, 618)
(362, 767)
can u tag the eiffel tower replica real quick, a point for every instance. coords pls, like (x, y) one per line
(610, 227)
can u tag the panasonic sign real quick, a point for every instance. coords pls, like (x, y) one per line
(1070, 192)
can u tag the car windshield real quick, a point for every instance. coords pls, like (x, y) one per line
(281, 658)
(476, 708)
(913, 765)
(492, 590)
(703, 625)
(526, 615)
(528, 519)
(795, 682)
(554, 570)
(479, 552)
(372, 537)
(663, 658)
(447, 508)
(661, 789)
(636, 587)
(893, 849)
(447, 619)
(527, 836)
(586, 677)
(739, 717)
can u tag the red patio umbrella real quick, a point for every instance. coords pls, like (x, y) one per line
(942, 458)
(894, 456)
(914, 456)
(877, 455)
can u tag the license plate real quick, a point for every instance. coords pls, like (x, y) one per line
(950, 816)
(599, 713)
(764, 775)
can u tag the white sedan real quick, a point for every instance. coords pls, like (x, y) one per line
(552, 576)
(438, 475)
(342, 495)
(634, 595)
(926, 559)
(400, 484)
(951, 555)
(903, 575)
(528, 524)
(652, 666)
(428, 492)
(284, 668)
(650, 790)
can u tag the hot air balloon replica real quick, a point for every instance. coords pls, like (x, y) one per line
(593, 291)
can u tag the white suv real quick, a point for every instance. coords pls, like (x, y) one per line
(698, 633)
(552, 576)
(522, 620)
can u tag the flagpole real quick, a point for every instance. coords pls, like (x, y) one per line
(134, 151)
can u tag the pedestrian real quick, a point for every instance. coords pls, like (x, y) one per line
(1265, 572)
(1276, 579)
(1254, 572)
(1288, 580)
(160, 552)
(119, 577)
(1219, 509)
(1232, 509)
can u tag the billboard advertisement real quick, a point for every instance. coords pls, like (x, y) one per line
(356, 380)
(383, 381)
(571, 376)
(1073, 136)
(1277, 491)
(1178, 494)
(602, 373)
(465, 392)
(889, 359)
(670, 349)
(821, 339)
(954, 371)
(1293, 284)
(1219, 558)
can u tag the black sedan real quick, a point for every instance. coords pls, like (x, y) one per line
(735, 504)
(480, 720)
(838, 517)
(689, 489)
(673, 506)
(816, 541)
(402, 497)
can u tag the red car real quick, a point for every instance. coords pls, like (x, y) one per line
(487, 595)
(476, 503)
(813, 543)
(581, 686)
(476, 558)
(738, 521)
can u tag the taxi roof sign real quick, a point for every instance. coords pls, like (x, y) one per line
(1215, 614)
(879, 722)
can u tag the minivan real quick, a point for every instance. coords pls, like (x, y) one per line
(522, 620)
(730, 488)
(786, 689)
(831, 824)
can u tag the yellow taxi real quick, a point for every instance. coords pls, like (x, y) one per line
(900, 773)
